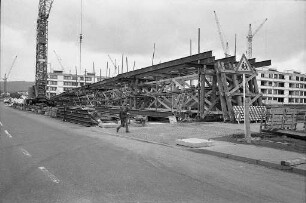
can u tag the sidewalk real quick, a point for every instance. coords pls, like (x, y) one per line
(167, 134)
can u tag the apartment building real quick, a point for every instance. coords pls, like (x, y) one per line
(288, 87)
(59, 82)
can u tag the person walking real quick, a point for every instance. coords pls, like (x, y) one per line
(124, 116)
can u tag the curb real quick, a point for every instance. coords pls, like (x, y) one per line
(251, 161)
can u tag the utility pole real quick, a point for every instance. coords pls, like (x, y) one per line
(106, 75)
(127, 64)
(76, 76)
(93, 71)
(81, 36)
(153, 53)
(122, 64)
(85, 78)
(190, 47)
(235, 45)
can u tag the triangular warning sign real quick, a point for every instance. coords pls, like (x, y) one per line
(244, 65)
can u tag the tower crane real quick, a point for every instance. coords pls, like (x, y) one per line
(250, 37)
(224, 46)
(7, 75)
(59, 60)
(44, 8)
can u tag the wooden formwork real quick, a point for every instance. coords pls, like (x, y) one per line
(197, 84)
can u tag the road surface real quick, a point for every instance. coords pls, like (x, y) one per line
(43, 159)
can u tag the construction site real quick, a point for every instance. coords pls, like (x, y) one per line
(198, 87)
(199, 127)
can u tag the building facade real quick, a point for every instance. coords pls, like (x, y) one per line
(288, 87)
(59, 82)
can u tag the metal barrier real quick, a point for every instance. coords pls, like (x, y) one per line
(280, 118)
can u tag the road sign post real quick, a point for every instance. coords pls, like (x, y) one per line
(244, 67)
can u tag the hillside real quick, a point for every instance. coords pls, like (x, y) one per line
(16, 86)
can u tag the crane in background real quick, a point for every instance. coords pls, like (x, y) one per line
(250, 37)
(7, 75)
(224, 46)
(44, 9)
(59, 60)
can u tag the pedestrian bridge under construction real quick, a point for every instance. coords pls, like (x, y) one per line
(200, 85)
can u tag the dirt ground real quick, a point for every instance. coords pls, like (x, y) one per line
(268, 140)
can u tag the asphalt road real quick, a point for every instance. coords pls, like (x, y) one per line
(46, 160)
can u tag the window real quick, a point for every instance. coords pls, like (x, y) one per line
(81, 78)
(262, 83)
(269, 91)
(270, 83)
(304, 93)
(74, 83)
(281, 76)
(52, 94)
(67, 83)
(291, 100)
(275, 76)
(301, 93)
(53, 88)
(74, 77)
(67, 88)
(296, 100)
(291, 92)
(281, 92)
(270, 75)
(290, 77)
(53, 76)
(297, 78)
(302, 79)
(281, 84)
(88, 78)
(53, 82)
(291, 85)
(297, 85)
(67, 77)
(297, 93)
(81, 84)
(280, 100)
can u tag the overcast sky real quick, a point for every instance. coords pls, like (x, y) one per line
(131, 27)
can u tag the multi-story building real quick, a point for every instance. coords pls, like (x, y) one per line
(59, 82)
(288, 87)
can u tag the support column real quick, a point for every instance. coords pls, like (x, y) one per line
(202, 93)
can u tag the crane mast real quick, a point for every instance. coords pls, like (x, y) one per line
(7, 75)
(44, 8)
(59, 60)
(250, 37)
(224, 47)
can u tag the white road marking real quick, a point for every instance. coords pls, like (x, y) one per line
(25, 152)
(50, 175)
(1, 124)
(8, 134)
